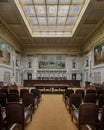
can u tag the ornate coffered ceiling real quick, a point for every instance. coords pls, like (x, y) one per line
(55, 18)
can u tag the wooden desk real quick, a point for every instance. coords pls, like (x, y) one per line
(52, 86)
(70, 83)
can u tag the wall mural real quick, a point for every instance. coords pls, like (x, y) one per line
(4, 52)
(99, 54)
(51, 62)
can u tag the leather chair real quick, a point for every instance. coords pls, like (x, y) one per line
(101, 100)
(87, 115)
(15, 113)
(101, 91)
(90, 98)
(67, 94)
(3, 99)
(22, 91)
(37, 95)
(74, 101)
(14, 91)
(80, 92)
(13, 97)
(4, 90)
(91, 91)
(2, 117)
(28, 100)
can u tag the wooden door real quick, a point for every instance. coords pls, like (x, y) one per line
(29, 75)
(74, 76)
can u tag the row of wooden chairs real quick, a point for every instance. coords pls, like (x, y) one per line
(83, 112)
(21, 91)
(26, 99)
(88, 115)
(24, 105)
(89, 97)
(83, 92)
(14, 113)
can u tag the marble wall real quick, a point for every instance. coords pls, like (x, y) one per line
(8, 73)
(83, 66)
(36, 72)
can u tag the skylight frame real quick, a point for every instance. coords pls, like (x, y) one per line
(51, 9)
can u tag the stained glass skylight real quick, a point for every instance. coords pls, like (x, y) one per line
(52, 17)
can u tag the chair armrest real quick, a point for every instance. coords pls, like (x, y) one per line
(28, 113)
(66, 97)
(88, 127)
(29, 107)
(14, 127)
(74, 113)
(3, 109)
(74, 108)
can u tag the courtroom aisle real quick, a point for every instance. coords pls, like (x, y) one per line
(51, 115)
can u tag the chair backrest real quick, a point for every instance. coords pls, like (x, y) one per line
(75, 99)
(3, 99)
(1, 119)
(22, 91)
(36, 92)
(13, 97)
(102, 120)
(80, 92)
(14, 114)
(91, 91)
(91, 98)
(28, 99)
(4, 90)
(88, 114)
(68, 92)
(101, 91)
(101, 100)
(14, 91)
